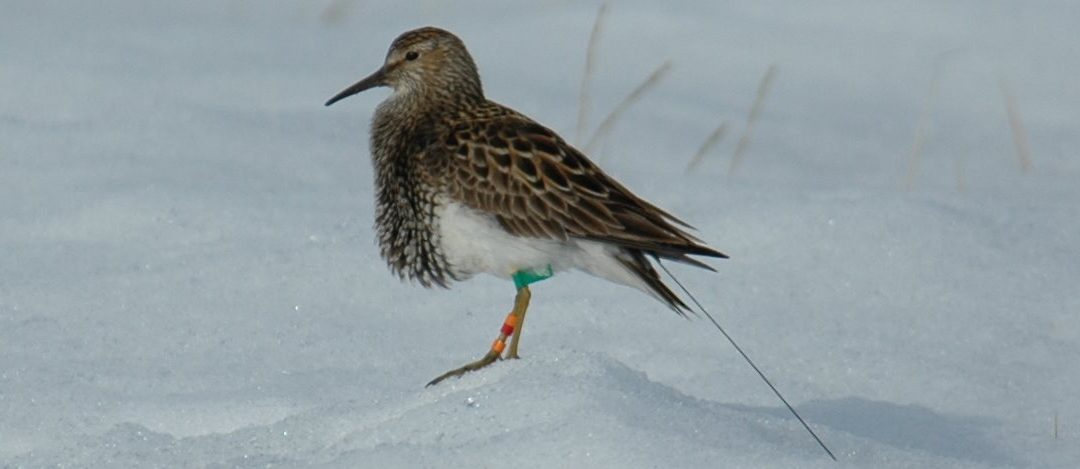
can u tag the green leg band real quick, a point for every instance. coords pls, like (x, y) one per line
(523, 278)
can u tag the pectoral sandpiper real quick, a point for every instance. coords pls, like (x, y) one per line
(465, 185)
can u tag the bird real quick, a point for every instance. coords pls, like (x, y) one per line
(465, 185)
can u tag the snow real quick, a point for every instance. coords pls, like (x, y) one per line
(188, 274)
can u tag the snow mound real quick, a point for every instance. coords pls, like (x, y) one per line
(570, 410)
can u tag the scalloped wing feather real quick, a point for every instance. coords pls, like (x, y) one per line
(539, 186)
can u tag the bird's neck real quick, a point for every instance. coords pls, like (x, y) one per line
(397, 124)
(402, 136)
(405, 125)
(403, 120)
(444, 97)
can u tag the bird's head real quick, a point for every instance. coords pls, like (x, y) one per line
(427, 61)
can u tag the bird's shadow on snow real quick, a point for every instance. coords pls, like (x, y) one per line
(909, 427)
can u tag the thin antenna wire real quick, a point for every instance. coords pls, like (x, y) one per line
(748, 360)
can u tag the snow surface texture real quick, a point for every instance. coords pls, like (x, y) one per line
(188, 276)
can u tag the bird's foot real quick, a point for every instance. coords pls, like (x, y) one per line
(511, 329)
(511, 352)
(473, 366)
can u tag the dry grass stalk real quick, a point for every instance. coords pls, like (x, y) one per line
(755, 111)
(586, 76)
(923, 123)
(710, 141)
(606, 125)
(1019, 131)
(336, 11)
(920, 128)
(958, 166)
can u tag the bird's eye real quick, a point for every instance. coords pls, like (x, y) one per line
(412, 55)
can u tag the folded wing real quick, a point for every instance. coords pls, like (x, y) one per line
(537, 185)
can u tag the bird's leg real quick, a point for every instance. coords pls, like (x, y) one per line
(521, 305)
(512, 326)
(522, 279)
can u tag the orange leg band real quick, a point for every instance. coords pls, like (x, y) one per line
(508, 325)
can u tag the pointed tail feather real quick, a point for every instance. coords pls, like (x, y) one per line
(636, 262)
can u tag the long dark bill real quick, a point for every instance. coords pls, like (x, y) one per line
(373, 80)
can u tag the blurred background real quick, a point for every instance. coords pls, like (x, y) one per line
(188, 275)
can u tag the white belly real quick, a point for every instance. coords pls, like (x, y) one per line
(473, 243)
